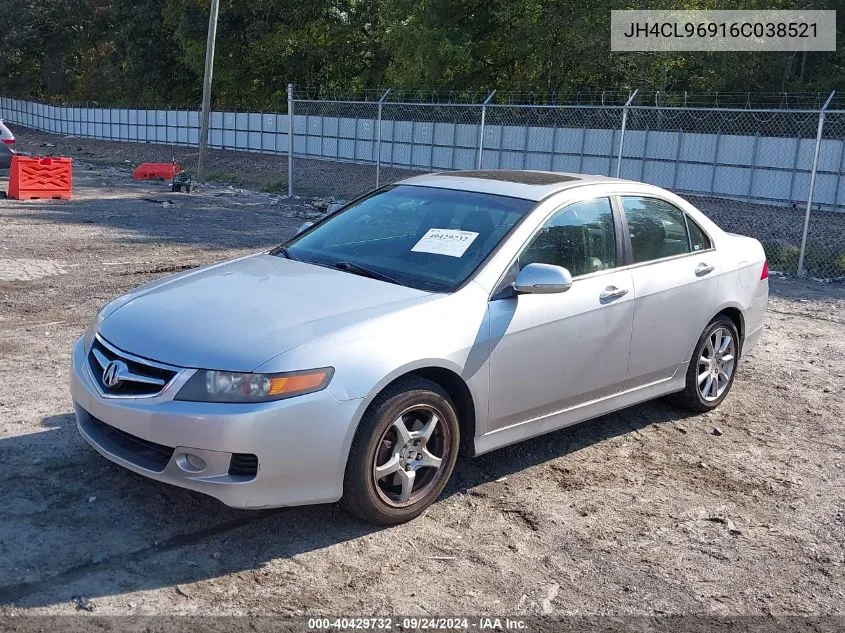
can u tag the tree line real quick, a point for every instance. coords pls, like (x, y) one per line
(152, 52)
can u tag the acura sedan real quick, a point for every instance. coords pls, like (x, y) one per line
(451, 312)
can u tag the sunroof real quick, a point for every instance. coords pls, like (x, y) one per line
(521, 177)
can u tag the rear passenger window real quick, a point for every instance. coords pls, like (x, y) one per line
(698, 238)
(658, 229)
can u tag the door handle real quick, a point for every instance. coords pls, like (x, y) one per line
(612, 293)
(703, 269)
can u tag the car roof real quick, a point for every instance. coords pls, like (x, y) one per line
(530, 185)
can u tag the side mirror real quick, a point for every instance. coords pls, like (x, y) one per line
(542, 279)
(303, 227)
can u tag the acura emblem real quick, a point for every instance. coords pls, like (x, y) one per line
(114, 372)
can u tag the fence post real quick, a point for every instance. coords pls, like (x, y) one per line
(378, 136)
(481, 129)
(290, 140)
(622, 134)
(801, 271)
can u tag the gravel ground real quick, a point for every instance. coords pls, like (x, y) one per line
(647, 511)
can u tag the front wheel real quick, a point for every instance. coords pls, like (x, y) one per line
(403, 453)
(712, 367)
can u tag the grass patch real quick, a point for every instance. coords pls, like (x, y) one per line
(279, 185)
(818, 261)
(782, 258)
(823, 263)
(223, 176)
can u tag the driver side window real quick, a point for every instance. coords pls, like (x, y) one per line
(580, 237)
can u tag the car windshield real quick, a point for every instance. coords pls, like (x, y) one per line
(424, 237)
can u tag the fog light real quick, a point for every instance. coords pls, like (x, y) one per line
(194, 462)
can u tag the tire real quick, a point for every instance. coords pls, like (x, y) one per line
(703, 395)
(412, 481)
(187, 188)
(175, 188)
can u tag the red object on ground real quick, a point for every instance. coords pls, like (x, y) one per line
(33, 177)
(156, 171)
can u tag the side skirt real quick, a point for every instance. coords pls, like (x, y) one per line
(579, 413)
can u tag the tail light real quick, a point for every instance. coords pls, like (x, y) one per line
(9, 141)
(765, 273)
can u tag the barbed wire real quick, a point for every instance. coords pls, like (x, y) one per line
(610, 97)
(587, 97)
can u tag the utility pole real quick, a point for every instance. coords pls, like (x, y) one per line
(206, 87)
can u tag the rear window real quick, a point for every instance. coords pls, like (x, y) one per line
(698, 238)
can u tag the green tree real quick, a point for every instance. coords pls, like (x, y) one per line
(152, 52)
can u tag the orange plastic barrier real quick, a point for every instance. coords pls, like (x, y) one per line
(32, 177)
(156, 171)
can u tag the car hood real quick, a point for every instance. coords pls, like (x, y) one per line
(237, 315)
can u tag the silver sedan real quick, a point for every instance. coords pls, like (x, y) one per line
(460, 311)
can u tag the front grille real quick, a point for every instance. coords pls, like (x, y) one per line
(243, 465)
(144, 453)
(138, 377)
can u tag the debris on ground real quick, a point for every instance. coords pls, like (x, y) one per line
(82, 603)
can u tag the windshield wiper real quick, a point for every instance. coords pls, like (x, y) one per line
(283, 251)
(356, 269)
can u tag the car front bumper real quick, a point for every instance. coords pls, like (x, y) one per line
(301, 443)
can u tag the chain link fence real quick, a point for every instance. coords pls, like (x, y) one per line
(580, 139)
(774, 173)
(823, 253)
(749, 171)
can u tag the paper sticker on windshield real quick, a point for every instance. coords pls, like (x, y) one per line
(445, 242)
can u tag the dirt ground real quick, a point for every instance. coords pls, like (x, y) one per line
(646, 511)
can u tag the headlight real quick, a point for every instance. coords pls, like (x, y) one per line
(226, 386)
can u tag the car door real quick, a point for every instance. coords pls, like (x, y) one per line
(554, 351)
(675, 272)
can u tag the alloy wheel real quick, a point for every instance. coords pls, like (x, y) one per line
(410, 457)
(716, 364)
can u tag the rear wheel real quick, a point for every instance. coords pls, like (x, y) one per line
(712, 367)
(403, 453)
